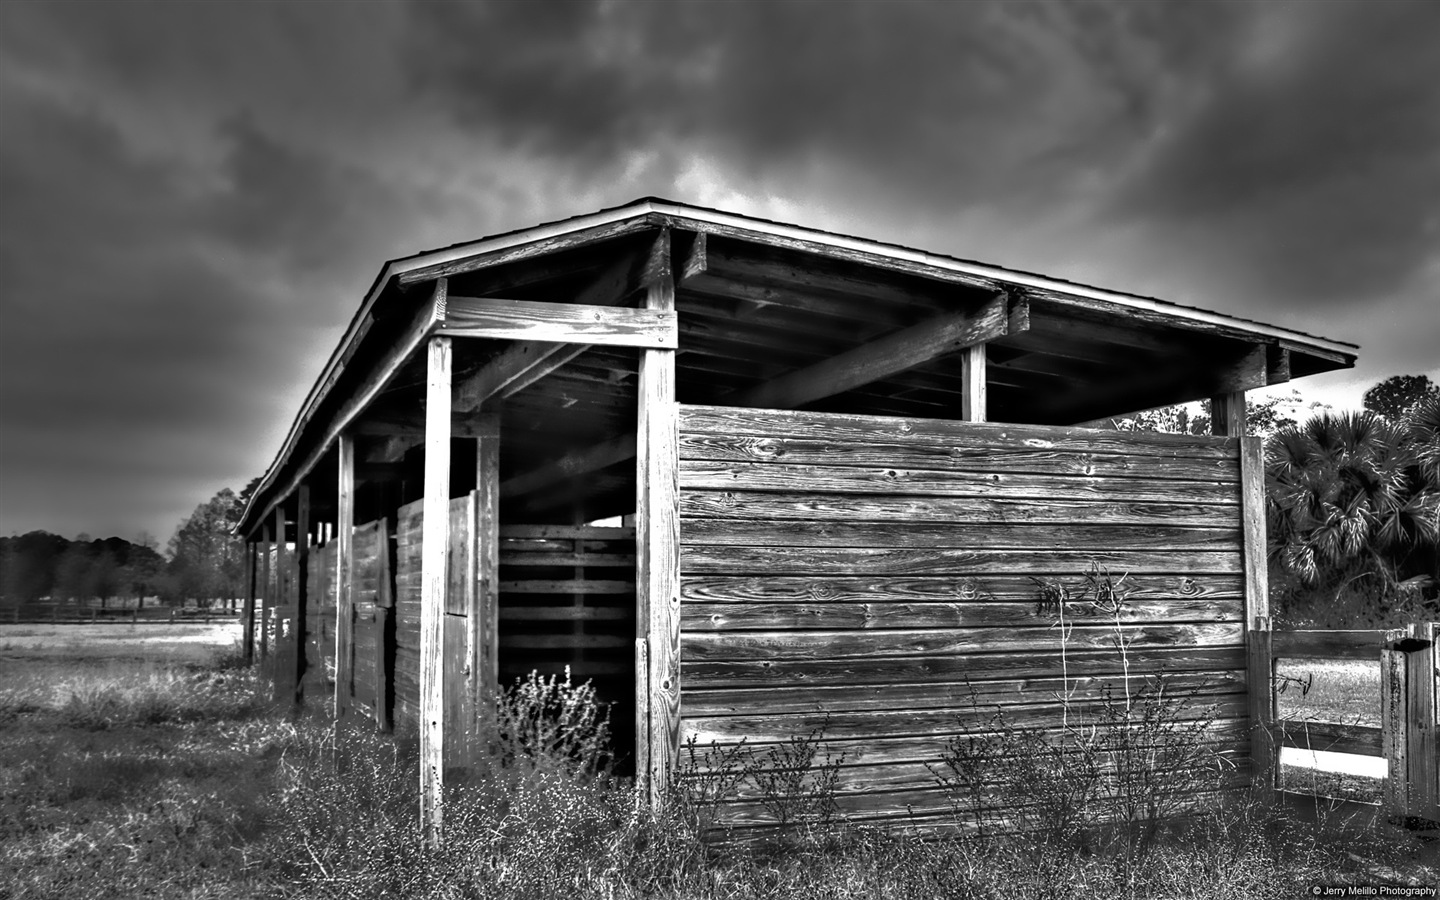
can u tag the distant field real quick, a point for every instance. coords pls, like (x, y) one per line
(181, 643)
(1347, 692)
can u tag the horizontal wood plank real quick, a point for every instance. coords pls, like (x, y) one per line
(566, 613)
(1067, 536)
(950, 694)
(724, 617)
(824, 451)
(708, 560)
(560, 586)
(1357, 644)
(770, 645)
(720, 476)
(792, 505)
(985, 587)
(566, 532)
(701, 673)
(1333, 737)
(945, 433)
(763, 729)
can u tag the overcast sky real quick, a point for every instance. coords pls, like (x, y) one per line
(195, 196)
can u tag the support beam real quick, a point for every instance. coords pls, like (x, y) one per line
(485, 606)
(564, 323)
(522, 364)
(571, 465)
(344, 577)
(832, 376)
(657, 533)
(973, 362)
(882, 358)
(434, 548)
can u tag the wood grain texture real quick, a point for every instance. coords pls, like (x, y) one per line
(770, 506)
(434, 549)
(1013, 459)
(770, 645)
(1331, 737)
(987, 536)
(771, 729)
(712, 475)
(1219, 590)
(883, 357)
(1363, 644)
(1257, 572)
(569, 323)
(344, 576)
(980, 693)
(858, 429)
(736, 616)
(657, 572)
(974, 400)
(709, 560)
(485, 654)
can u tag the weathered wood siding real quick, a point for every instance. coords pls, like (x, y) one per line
(869, 576)
(567, 597)
(366, 649)
(406, 677)
(320, 617)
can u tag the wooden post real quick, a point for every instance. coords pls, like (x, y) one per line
(434, 546)
(1407, 722)
(248, 616)
(485, 612)
(344, 576)
(1227, 414)
(974, 370)
(300, 566)
(657, 533)
(267, 547)
(1259, 662)
(384, 603)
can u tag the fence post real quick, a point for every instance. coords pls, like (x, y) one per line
(1260, 669)
(1407, 672)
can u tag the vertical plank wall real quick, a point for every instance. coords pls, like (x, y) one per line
(365, 644)
(319, 635)
(567, 597)
(867, 574)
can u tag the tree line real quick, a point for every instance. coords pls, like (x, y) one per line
(204, 562)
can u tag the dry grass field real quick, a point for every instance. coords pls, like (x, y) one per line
(147, 763)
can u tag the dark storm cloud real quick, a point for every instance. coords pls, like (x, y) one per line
(194, 196)
(1293, 143)
(945, 99)
(1318, 159)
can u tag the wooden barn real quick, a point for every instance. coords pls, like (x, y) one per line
(845, 471)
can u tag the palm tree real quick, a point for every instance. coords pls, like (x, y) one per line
(1353, 497)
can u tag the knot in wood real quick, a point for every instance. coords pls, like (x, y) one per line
(769, 447)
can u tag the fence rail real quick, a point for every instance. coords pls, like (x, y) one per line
(1406, 737)
(72, 614)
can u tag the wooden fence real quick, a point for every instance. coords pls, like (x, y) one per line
(75, 614)
(1406, 736)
